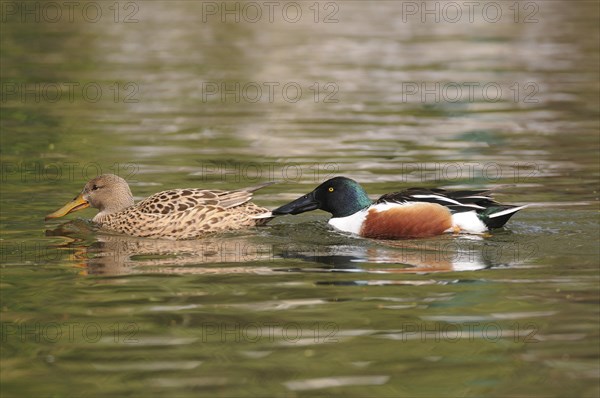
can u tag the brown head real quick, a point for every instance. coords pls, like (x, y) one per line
(108, 193)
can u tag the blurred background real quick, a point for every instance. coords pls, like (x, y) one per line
(227, 94)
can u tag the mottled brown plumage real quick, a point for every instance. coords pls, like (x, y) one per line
(175, 214)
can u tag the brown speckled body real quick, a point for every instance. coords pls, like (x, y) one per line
(175, 214)
(185, 214)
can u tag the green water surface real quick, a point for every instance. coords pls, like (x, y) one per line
(173, 94)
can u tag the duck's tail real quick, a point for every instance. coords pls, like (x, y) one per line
(257, 187)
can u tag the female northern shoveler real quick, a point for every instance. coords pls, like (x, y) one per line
(174, 214)
(414, 213)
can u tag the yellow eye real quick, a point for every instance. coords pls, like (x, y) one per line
(330, 189)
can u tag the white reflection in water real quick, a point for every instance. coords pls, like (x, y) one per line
(339, 381)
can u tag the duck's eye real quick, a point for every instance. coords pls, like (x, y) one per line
(330, 189)
(94, 187)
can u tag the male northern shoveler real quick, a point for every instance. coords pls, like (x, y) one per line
(414, 213)
(174, 214)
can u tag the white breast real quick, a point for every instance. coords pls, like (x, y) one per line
(352, 223)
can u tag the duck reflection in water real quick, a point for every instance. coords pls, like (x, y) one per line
(244, 253)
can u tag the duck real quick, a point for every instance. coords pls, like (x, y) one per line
(412, 213)
(175, 214)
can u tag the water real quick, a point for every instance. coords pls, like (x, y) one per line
(294, 308)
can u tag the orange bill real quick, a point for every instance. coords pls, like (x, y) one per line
(75, 205)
